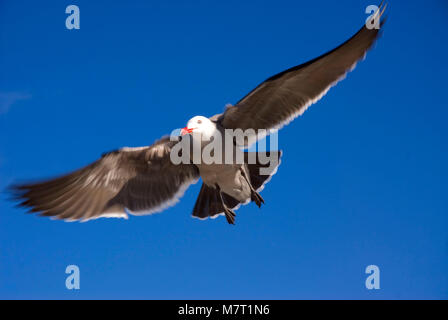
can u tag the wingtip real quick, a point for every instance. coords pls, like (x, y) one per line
(382, 16)
(14, 192)
(381, 10)
(378, 16)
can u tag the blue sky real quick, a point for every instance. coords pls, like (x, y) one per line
(363, 178)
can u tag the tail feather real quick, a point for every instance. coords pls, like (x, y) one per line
(208, 203)
(202, 204)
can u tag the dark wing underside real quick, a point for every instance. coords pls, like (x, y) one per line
(285, 96)
(130, 180)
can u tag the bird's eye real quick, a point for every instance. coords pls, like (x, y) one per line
(199, 121)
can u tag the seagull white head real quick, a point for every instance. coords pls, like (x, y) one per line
(200, 125)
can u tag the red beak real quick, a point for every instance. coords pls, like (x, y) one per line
(185, 131)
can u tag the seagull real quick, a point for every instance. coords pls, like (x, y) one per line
(145, 180)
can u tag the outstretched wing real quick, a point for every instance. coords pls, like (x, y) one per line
(285, 96)
(135, 180)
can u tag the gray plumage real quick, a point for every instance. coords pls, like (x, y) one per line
(286, 95)
(144, 180)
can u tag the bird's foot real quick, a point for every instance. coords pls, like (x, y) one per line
(230, 215)
(255, 197)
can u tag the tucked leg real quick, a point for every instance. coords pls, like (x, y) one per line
(230, 215)
(254, 195)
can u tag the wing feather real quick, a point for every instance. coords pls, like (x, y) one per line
(130, 180)
(285, 96)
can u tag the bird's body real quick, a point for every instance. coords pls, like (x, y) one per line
(219, 173)
(146, 180)
(223, 169)
(229, 179)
